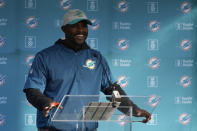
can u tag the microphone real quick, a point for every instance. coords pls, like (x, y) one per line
(115, 94)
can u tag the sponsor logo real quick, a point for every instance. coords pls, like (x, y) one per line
(90, 64)
(30, 119)
(154, 120)
(123, 6)
(185, 81)
(30, 4)
(30, 41)
(153, 45)
(3, 100)
(32, 22)
(2, 79)
(93, 43)
(186, 7)
(95, 24)
(2, 119)
(122, 25)
(121, 62)
(184, 118)
(152, 81)
(2, 3)
(92, 5)
(184, 62)
(3, 21)
(154, 26)
(184, 26)
(3, 60)
(153, 100)
(185, 45)
(2, 41)
(29, 60)
(123, 44)
(183, 100)
(65, 4)
(154, 62)
(152, 7)
(123, 81)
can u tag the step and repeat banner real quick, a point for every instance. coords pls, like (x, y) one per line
(150, 46)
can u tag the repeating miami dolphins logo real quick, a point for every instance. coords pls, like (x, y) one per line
(65, 4)
(2, 3)
(95, 24)
(123, 6)
(154, 62)
(153, 100)
(29, 60)
(154, 26)
(2, 119)
(185, 81)
(185, 44)
(2, 41)
(123, 44)
(2, 79)
(184, 118)
(32, 22)
(123, 81)
(90, 64)
(186, 7)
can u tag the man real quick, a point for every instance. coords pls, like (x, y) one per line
(70, 67)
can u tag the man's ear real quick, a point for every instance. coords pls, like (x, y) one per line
(64, 29)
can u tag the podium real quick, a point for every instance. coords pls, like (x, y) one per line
(82, 111)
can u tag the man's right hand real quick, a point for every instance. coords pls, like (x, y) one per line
(47, 109)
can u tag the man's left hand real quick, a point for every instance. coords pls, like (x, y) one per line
(143, 113)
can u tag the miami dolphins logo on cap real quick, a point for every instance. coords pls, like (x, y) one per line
(90, 64)
(78, 13)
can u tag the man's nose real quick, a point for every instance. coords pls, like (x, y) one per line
(80, 28)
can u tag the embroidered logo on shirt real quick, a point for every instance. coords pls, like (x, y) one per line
(90, 64)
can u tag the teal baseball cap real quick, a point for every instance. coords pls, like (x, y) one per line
(74, 16)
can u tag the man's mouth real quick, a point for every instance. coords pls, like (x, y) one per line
(80, 36)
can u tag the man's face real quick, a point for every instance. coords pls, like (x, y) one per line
(77, 32)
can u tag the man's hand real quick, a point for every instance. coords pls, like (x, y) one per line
(143, 113)
(47, 109)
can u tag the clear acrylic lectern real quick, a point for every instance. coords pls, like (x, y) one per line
(83, 109)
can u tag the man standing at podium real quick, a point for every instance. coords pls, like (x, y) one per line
(70, 67)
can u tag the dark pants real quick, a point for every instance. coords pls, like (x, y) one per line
(53, 129)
